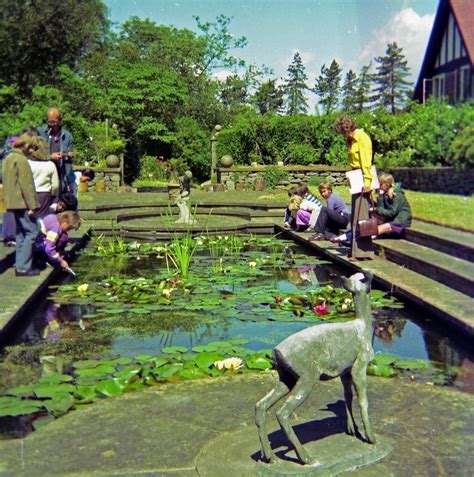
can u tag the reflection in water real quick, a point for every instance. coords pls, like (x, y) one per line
(76, 332)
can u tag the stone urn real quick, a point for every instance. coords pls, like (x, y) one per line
(226, 161)
(100, 186)
(112, 161)
(259, 184)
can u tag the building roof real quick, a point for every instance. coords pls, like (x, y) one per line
(463, 11)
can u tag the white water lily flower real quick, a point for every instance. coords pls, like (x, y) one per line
(83, 288)
(229, 363)
(252, 264)
(167, 292)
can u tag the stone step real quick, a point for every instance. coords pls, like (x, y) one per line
(457, 243)
(453, 272)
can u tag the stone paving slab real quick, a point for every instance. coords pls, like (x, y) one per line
(206, 427)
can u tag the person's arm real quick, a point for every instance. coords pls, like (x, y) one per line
(54, 180)
(51, 250)
(26, 184)
(390, 210)
(365, 154)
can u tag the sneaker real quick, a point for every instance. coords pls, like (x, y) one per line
(9, 243)
(27, 273)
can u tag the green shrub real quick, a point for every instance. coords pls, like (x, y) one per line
(151, 168)
(273, 175)
(461, 150)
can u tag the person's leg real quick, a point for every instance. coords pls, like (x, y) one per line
(27, 230)
(44, 201)
(361, 247)
(9, 228)
(335, 222)
(321, 223)
(302, 220)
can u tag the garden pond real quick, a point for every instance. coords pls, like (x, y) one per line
(138, 314)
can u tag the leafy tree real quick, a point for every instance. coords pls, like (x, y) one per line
(328, 86)
(269, 97)
(349, 89)
(362, 92)
(295, 87)
(218, 41)
(39, 35)
(391, 87)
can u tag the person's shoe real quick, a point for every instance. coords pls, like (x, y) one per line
(317, 237)
(9, 243)
(27, 273)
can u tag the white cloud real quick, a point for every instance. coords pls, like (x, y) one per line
(411, 32)
(221, 75)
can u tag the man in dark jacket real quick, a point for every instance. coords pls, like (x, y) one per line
(60, 147)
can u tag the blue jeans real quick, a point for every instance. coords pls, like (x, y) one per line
(26, 232)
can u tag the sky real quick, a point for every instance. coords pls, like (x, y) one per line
(353, 32)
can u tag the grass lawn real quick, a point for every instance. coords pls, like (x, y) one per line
(450, 210)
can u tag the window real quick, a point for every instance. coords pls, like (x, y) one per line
(465, 84)
(438, 86)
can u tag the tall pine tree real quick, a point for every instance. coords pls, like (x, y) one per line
(362, 97)
(391, 87)
(295, 87)
(269, 97)
(349, 89)
(328, 86)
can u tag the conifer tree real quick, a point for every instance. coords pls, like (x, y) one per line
(295, 86)
(391, 87)
(362, 97)
(328, 86)
(349, 89)
(269, 97)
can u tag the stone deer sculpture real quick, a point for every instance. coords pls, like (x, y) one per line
(322, 352)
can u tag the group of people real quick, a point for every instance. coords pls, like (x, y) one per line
(40, 193)
(390, 206)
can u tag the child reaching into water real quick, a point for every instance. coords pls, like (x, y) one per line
(53, 238)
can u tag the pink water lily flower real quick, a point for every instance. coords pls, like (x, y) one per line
(321, 309)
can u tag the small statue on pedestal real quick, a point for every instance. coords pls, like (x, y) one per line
(182, 199)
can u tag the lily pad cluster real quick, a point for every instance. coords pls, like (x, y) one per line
(422, 370)
(93, 379)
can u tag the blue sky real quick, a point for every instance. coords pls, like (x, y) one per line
(351, 31)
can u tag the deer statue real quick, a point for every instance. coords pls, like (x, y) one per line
(322, 352)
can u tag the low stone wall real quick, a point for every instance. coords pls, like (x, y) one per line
(445, 180)
(253, 177)
(105, 180)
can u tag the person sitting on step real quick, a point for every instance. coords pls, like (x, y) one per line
(308, 205)
(333, 217)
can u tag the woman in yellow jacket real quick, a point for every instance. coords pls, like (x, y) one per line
(359, 147)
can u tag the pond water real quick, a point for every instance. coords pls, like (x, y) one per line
(229, 296)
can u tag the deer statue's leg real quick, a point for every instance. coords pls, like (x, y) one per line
(297, 396)
(261, 408)
(359, 376)
(346, 379)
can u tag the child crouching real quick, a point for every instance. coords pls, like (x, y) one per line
(53, 238)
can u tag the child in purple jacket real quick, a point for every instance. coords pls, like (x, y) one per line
(53, 238)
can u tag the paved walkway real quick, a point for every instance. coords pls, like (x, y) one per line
(206, 428)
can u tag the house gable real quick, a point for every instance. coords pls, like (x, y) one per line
(448, 63)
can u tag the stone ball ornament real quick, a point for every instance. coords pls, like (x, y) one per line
(226, 160)
(112, 160)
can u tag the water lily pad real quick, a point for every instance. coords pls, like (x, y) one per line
(174, 349)
(109, 387)
(206, 359)
(53, 390)
(56, 379)
(258, 362)
(101, 370)
(412, 364)
(59, 406)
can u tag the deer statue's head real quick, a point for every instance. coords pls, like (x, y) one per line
(359, 282)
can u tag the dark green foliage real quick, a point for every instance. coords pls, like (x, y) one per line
(461, 151)
(269, 97)
(328, 87)
(362, 92)
(37, 37)
(273, 175)
(349, 89)
(295, 87)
